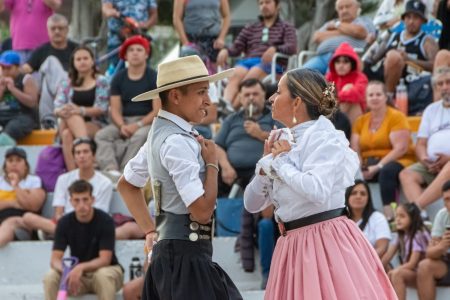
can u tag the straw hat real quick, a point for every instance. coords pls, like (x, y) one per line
(182, 71)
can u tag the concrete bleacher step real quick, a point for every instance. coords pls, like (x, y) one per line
(24, 264)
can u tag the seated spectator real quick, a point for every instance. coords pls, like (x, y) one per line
(405, 54)
(81, 102)
(351, 83)
(433, 191)
(203, 25)
(144, 12)
(84, 156)
(258, 42)
(382, 140)
(89, 233)
(432, 146)
(27, 23)
(411, 243)
(374, 224)
(348, 27)
(19, 192)
(18, 100)
(390, 11)
(120, 141)
(51, 60)
(435, 268)
(239, 146)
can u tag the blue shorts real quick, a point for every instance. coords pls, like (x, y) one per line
(251, 62)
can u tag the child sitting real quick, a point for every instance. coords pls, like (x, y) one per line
(412, 242)
(350, 82)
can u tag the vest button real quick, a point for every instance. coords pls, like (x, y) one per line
(193, 237)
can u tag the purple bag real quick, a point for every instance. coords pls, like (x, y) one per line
(50, 164)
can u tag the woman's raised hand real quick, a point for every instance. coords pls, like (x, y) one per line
(280, 146)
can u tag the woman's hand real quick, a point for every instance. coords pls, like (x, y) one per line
(280, 146)
(268, 143)
(370, 172)
(14, 179)
(208, 150)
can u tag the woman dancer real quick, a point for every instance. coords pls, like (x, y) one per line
(321, 254)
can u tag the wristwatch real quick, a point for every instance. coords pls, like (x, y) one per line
(140, 124)
(380, 166)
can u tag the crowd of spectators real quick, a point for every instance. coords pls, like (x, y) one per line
(49, 81)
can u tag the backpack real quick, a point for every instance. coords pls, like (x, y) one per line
(50, 164)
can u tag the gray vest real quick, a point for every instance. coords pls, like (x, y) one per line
(170, 198)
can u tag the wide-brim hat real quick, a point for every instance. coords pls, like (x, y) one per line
(415, 7)
(179, 72)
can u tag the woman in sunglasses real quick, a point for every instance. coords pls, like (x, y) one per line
(351, 83)
(81, 102)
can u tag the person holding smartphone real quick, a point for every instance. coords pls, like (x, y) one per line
(435, 269)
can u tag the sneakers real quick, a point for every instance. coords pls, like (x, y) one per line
(42, 236)
(48, 123)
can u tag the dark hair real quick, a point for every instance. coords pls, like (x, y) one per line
(368, 209)
(446, 186)
(88, 141)
(80, 186)
(73, 72)
(277, 2)
(351, 60)
(310, 85)
(251, 82)
(164, 95)
(417, 225)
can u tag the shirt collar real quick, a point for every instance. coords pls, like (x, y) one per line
(183, 124)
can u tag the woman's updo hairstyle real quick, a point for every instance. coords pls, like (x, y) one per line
(318, 95)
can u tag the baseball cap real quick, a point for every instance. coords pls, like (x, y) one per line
(9, 58)
(16, 151)
(415, 7)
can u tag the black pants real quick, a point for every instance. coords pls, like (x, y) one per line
(389, 181)
(10, 212)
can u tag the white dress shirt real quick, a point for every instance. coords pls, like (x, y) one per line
(310, 178)
(136, 169)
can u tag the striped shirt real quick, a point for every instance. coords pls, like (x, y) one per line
(281, 35)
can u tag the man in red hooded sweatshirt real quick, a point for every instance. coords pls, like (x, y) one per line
(351, 83)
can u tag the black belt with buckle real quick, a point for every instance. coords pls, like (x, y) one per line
(309, 220)
(171, 226)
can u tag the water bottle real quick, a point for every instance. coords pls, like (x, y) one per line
(135, 268)
(401, 97)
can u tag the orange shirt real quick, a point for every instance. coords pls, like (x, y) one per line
(377, 144)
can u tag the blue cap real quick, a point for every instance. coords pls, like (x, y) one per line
(9, 58)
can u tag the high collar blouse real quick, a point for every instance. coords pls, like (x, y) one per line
(311, 178)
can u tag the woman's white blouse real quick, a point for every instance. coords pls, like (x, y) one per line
(377, 228)
(310, 178)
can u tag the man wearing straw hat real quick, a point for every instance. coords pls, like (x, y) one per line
(183, 170)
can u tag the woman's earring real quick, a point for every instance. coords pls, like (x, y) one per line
(294, 120)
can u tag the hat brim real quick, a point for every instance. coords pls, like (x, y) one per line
(150, 95)
(419, 13)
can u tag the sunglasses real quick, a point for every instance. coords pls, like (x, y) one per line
(79, 141)
(265, 35)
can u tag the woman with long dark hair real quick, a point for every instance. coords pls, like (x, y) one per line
(81, 102)
(373, 223)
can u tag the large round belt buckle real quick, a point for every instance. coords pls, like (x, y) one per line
(193, 237)
(194, 226)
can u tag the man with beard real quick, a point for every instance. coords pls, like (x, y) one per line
(259, 42)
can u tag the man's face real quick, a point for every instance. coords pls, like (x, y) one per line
(347, 10)
(82, 204)
(194, 103)
(57, 32)
(136, 55)
(268, 8)
(253, 95)
(442, 85)
(84, 158)
(413, 23)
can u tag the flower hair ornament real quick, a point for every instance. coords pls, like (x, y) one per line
(329, 90)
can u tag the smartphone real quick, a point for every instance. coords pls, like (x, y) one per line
(447, 227)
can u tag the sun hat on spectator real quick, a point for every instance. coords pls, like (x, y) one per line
(136, 39)
(415, 7)
(182, 71)
(16, 151)
(9, 58)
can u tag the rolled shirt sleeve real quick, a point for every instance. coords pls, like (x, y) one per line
(136, 170)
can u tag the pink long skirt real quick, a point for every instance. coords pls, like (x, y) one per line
(327, 260)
